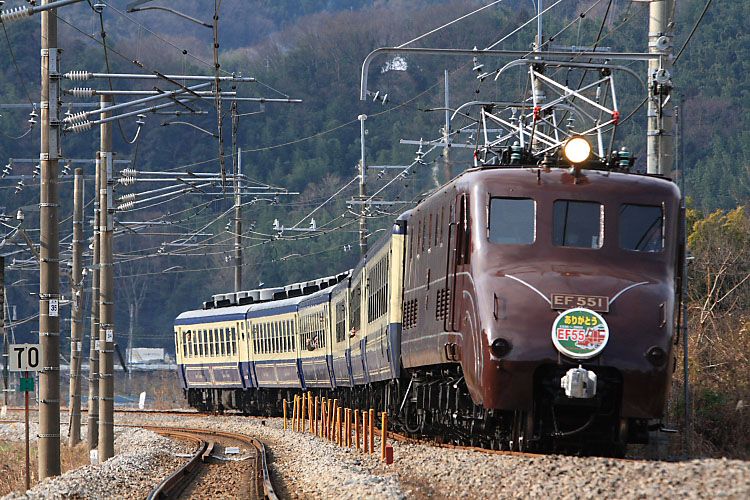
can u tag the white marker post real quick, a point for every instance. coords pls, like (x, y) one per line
(26, 358)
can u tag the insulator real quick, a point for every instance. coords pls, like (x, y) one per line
(78, 75)
(127, 197)
(14, 14)
(82, 92)
(80, 127)
(126, 181)
(127, 172)
(126, 206)
(75, 117)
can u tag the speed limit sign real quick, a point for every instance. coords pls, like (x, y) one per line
(25, 357)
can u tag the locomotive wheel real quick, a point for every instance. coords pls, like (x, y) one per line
(521, 431)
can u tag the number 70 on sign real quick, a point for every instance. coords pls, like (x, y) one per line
(25, 357)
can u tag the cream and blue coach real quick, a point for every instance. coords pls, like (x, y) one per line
(315, 340)
(274, 344)
(210, 353)
(381, 309)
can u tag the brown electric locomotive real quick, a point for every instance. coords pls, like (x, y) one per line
(549, 293)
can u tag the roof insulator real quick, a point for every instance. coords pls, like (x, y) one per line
(75, 117)
(78, 75)
(82, 92)
(15, 14)
(80, 127)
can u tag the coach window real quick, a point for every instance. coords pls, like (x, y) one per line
(276, 337)
(233, 344)
(512, 221)
(264, 347)
(293, 325)
(641, 228)
(578, 224)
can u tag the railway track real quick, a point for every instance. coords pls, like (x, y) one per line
(174, 485)
(210, 473)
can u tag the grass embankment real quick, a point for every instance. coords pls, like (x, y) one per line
(13, 464)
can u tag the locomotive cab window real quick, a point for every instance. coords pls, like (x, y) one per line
(578, 224)
(512, 221)
(641, 228)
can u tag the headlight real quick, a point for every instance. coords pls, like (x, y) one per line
(577, 150)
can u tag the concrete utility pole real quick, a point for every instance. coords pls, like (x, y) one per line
(93, 415)
(76, 331)
(659, 156)
(237, 160)
(106, 293)
(3, 332)
(362, 189)
(130, 344)
(49, 263)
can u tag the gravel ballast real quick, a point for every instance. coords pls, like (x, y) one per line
(142, 460)
(307, 467)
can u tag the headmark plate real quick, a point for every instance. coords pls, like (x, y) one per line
(580, 333)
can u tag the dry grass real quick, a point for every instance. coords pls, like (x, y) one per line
(13, 464)
(719, 353)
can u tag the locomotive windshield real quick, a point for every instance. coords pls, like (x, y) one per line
(641, 228)
(578, 224)
(512, 221)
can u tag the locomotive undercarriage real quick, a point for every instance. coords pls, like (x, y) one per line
(435, 403)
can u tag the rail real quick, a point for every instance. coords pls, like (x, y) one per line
(172, 486)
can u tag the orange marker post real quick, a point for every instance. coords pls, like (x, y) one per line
(304, 412)
(348, 427)
(372, 431)
(284, 414)
(384, 434)
(364, 431)
(333, 420)
(323, 417)
(327, 420)
(294, 413)
(329, 406)
(310, 413)
(339, 433)
(356, 427)
(315, 413)
(299, 413)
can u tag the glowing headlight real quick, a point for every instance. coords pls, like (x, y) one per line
(577, 150)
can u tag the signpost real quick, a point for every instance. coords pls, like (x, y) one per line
(26, 358)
